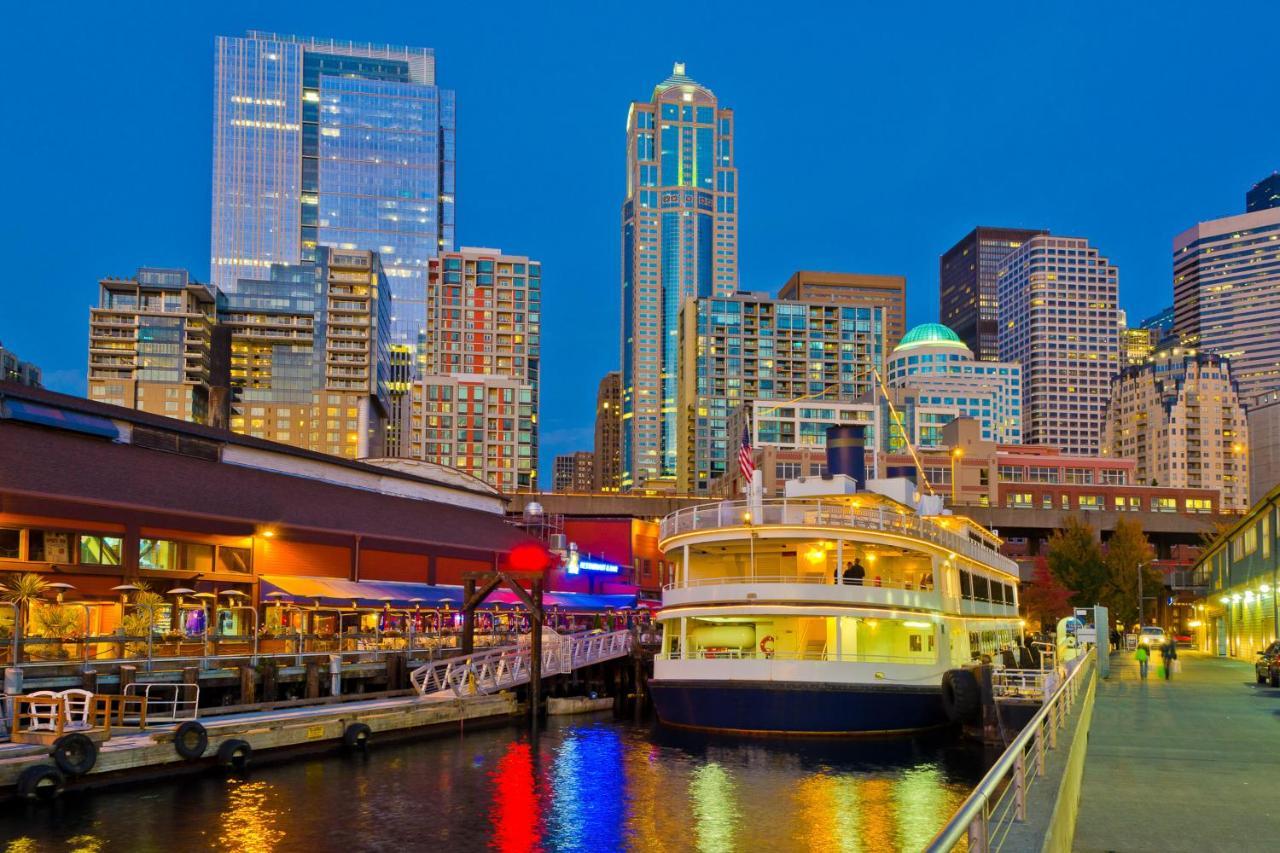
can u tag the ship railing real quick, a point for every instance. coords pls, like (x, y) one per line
(825, 656)
(1000, 800)
(820, 579)
(1020, 683)
(816, 512)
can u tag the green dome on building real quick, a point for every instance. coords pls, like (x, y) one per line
(930, 335)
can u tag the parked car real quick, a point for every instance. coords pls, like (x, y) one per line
(1267, 667)
(1152, 636)
(1183, 639)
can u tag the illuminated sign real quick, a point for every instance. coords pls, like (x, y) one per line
(596, 566)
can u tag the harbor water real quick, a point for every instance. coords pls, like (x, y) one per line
(582, 784)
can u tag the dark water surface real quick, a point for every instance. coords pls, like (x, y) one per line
(585, 784)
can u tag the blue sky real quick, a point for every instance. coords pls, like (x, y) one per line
(870, 139)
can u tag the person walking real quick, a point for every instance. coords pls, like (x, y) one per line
(1141, 656)
(854, 572)
(1168, 654)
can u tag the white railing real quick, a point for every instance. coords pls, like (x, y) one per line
(821, 579)
(817, 512)
(167, 703)
(825, 655)
(503, 668)
(1000, 799)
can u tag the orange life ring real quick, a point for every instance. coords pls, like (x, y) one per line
(766, 645)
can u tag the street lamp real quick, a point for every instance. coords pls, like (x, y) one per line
(957, 453)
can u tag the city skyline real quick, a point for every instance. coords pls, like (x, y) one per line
(153, 203)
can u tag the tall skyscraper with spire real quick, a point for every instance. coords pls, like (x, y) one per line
(679, 240)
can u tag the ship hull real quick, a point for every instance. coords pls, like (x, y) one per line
(781, 708)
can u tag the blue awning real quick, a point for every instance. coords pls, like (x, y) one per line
(52, 416)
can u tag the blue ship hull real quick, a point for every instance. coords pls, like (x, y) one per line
(782, 708)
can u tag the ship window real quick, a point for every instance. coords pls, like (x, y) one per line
(916, 644)
(981, 591)
(966, 585)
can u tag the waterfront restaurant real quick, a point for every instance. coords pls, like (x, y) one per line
(1237, 615)
(123, 514)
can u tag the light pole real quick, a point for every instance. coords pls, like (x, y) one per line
(957, 453)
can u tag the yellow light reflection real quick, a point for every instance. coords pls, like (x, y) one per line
(715, 814)
(249, 824)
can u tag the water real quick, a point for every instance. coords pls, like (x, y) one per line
(586, 784)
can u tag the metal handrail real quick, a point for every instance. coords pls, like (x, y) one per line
(1000, 799)
(824, 656)
(821, 579)
(812, 511)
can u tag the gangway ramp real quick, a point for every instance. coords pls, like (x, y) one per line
(506, 667)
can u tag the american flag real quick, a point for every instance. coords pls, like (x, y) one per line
(745, 460)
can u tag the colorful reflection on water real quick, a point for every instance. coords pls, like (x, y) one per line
(583, 785)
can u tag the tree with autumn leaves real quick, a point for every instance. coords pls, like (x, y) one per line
(1080, 572)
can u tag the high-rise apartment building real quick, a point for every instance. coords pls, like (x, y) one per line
(607, 458)
(572, 472)
(331, 143)
(151, 345)
(1264, 195)
(889, 291)
(14, 369)
(1226, 293)
(479, 370)
(968, 299)
(1059, 319)
(679, 241)
(934, 361)
(1137, 343)
(753, 347)
(1264, 445)
(1179, 417)
(309, 355)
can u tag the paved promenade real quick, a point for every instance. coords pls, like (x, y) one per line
(1189, 764)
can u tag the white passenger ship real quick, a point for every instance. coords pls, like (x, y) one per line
(768, 630)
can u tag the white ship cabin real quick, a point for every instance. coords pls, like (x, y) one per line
(831, 573)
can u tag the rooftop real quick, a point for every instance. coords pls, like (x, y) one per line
(930, 335)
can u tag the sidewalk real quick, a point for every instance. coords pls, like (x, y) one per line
(1189, 764)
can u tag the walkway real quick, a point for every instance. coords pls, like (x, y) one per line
(1189, 764)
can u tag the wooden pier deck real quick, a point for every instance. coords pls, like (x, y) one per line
(151, 752)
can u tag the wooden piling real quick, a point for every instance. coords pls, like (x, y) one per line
(248, 684)
(270, 691)
(128, 675)
(535, 651)
(89, 680)
(313, 679)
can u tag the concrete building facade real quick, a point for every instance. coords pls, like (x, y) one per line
(968, 298)
(1178, 416)
(1059, 319)
(572, 472)
(14, 369)
(1226, 290)
(934, 361)
(151, 345)
(755, 348)
(679, 241)
(483, 341)
(889, 291)
(606, 475)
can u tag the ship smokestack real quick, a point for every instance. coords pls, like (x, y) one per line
(846, 452)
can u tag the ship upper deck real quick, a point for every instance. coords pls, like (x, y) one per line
(861, 517)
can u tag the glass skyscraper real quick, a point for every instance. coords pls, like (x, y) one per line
(679, 240)
(331, 143)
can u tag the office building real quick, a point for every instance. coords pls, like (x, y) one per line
(331, 143)
(607, 459)
(1137, 343)
(967, 293)
(889, 291)
(151, 346)
(1264, 445)
(1160, 322)
(1059, 319)
(1226, 292)
(572, 472)
(310, 359)
(751, 347)
(14, 369)
(1264, 195)
(679, 241)
(1178, 416)
(479, 370)
(934, 361)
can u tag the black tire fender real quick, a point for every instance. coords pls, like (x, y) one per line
(41, 782)
(235, 754)
(960, 695)
(356, 736)
(75, 754)
(190, 740)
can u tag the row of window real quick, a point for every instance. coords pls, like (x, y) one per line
(39, 545)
